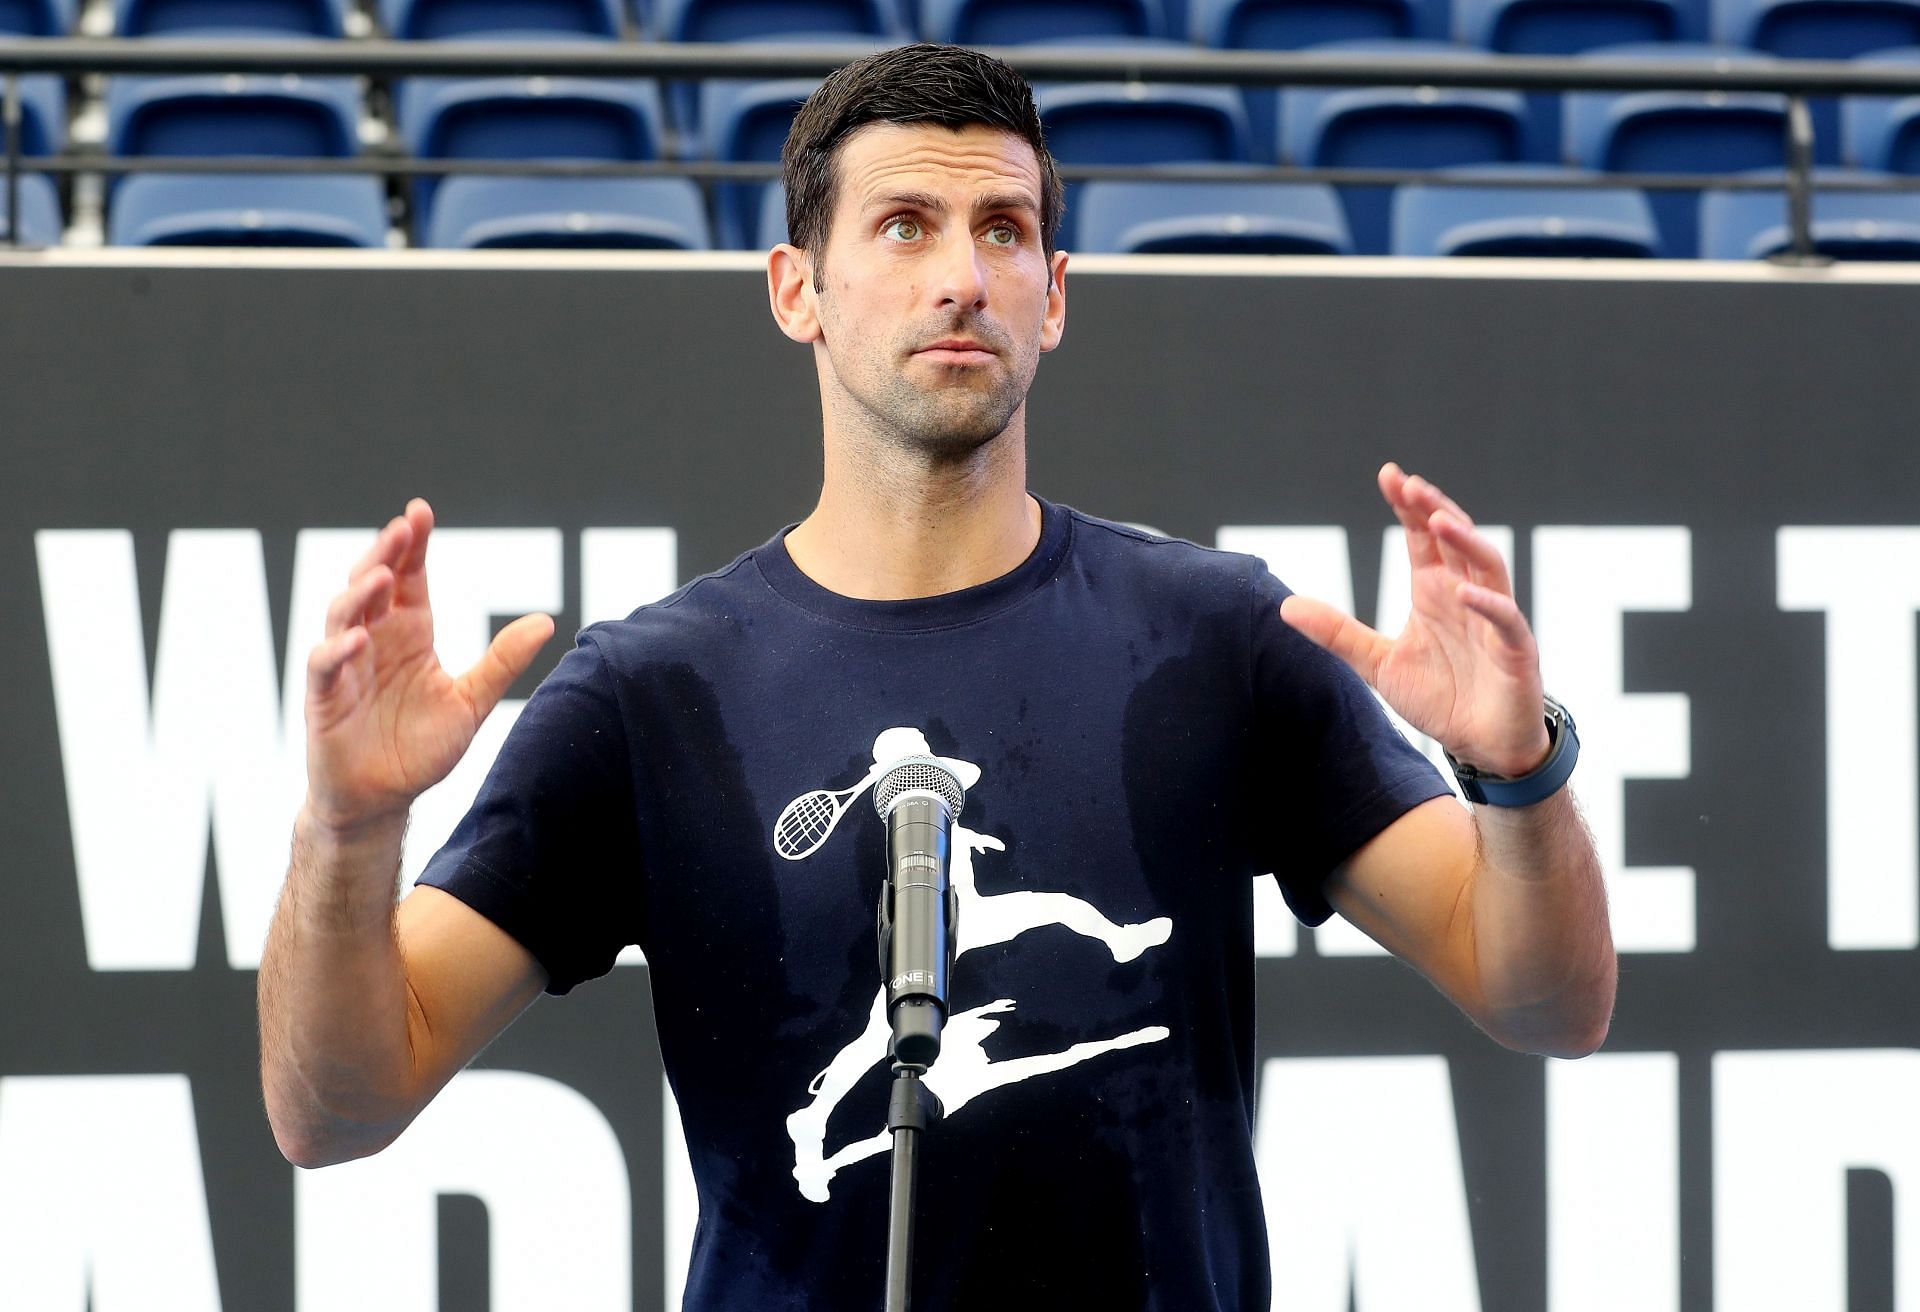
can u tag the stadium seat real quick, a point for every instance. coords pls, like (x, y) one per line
(745, 20)
(1295, 24)
(40, 223)
(43, 115)
(1140, 123)
(1018, 22)
(36, 17)
(1396, 127)
(190, 209)
(745, 121)
(500, 19)
(772, 229)
(1847, 225)
(569, 213)
(208, 18)
(1883, 132)
(1676, 132)
(526, 118)
(1546, 220)
(1182, 218)
(1564, 27)
(1817, 29)
(233, 114)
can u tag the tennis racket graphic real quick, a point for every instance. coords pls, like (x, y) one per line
(805, 822)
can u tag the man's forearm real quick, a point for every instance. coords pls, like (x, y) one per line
(1541, 935)
(336, 1056)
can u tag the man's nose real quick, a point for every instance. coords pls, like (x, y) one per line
(962, 276)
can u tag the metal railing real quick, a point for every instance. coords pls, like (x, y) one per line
(1797, 80)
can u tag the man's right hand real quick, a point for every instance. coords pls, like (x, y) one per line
(385, 721)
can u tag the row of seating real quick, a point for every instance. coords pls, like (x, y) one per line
(616, 119)
(1835, 29)
(1542, 220)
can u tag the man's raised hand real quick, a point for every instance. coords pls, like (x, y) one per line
(1466, 669)
(385, 721)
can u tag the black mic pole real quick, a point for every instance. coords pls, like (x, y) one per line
(918, 800)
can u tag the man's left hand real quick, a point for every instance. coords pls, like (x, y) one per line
(1466, 669)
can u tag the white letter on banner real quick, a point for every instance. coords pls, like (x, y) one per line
(103, 1207)
(1613, 1183)
(620, 569)
(143, 776)
(1359, 1164)
(1584, 580)
(541, 1158)
(219, 738)
(1867, 580)
(1787, 1126)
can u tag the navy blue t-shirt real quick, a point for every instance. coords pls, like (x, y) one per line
(1140, 735)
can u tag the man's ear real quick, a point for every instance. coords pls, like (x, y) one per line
(790, 292)
(1054, 325)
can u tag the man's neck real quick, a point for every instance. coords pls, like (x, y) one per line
(888, 528)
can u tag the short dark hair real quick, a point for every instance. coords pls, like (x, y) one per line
(945, 85)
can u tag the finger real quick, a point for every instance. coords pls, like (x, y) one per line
(1340, 633)
(1502, 613)
(410, 570)
(1452, 553)
(364, 600)
(1429, 498)
(505, 659)
(1486, 564)
(329, 658)
(1394, 486)
(388, 546)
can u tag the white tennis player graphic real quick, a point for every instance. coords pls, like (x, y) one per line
(964, 1071)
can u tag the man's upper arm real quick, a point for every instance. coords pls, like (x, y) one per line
(467, 979)
(1408, 889)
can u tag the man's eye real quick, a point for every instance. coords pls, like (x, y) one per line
(1003, 234)
(902, 229)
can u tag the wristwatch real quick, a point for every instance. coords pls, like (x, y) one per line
(1538, 784)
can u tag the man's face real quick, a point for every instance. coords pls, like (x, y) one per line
(934, 298)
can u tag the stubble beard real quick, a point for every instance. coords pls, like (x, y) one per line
(947, 421)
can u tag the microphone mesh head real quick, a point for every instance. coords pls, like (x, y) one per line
(918, 773)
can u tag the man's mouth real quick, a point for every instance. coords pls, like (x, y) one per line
(955, 350)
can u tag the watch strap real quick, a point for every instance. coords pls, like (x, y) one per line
(1538, 784)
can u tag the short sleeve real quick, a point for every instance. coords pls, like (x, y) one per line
(549, 850)
(1325, 750)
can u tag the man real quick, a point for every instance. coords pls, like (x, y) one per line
(1141, 726)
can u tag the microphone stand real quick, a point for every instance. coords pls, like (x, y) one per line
(911, 1108)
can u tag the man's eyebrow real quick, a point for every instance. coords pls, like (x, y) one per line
(1015, 201)
(906, 200)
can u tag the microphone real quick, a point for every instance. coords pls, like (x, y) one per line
(918, 798)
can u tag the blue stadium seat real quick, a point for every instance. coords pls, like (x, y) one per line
(1017, 22)
(40, 223)
(43, 115)
(1564, 27)
(1396, 127)
(1847, 225)
(569, 213)
(1296, 24)
(772, 228)
(745, 121)
(1883, 132)
(1185, 218)
(1676, 132)
(526, 118)
(206, 18)
(1534, 221)
(233, 114)
(36, 17)
(1140, 123)
(745, 20)
(500, 19)
(1817, 29)
(189, 209)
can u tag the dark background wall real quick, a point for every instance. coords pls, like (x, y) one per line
(153, 400)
